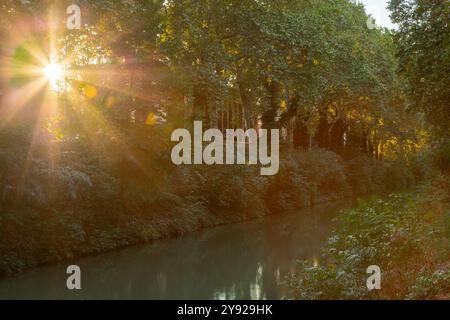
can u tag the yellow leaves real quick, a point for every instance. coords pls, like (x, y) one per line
(166, 35)
(283, 105)
(52, 125)
(163, 38)
(364, 99)
(151, 119)
(332, 109)
(316, 62)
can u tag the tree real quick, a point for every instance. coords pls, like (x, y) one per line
(423, 42)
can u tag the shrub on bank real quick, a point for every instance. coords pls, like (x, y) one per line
(441, 156)
(407, 238)
(306, 178)
(60, 199)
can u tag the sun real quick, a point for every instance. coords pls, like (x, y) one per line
(53, 72)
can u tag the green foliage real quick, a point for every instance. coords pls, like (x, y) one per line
(423, 48)
(441, 156)
(364, 176)
(429, 286)
(306, 178)
(394, 233)
(96, 198)
(307, 66)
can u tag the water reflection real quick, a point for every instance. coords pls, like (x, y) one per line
(244, 261)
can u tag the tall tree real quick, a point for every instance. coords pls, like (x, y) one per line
(423, 41)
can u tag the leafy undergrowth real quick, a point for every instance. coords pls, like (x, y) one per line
(96, 198)
(406, 234)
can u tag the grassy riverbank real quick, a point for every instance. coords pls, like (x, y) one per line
(85, 203)
(406, 234)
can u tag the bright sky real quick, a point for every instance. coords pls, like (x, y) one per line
(378, 10)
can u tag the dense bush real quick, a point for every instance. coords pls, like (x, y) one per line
(441, 156)
(406, 237)
(65, 198)
(306, 178)
(429, 286)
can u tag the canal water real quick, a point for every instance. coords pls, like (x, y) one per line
(242, 261)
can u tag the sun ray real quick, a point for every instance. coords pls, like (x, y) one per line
(16, 99)
(36, 141)
(112, 77)
(109, 131)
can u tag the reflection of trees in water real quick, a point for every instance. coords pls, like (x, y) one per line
(244, 261)
(240, 261)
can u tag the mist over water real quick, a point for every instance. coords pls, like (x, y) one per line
(242, 261)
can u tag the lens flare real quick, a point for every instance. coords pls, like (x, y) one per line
(53, 72)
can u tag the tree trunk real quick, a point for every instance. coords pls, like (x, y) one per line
(200, 102)
(246, 100)
(337, 136)
(300, 135)
(323, 129)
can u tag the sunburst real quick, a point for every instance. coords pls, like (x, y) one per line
(53, 72)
